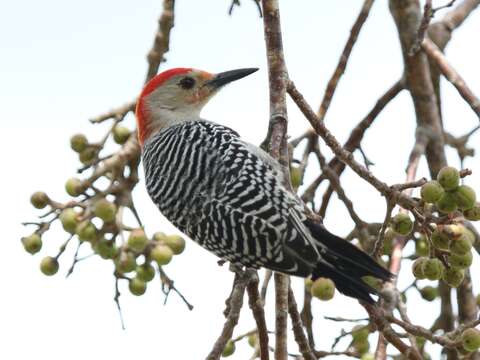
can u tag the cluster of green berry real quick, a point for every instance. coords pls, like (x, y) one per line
(87, 152)
(95, 220)
(468, 341)
(445, 252)
(455, 243)
(448, 195)
(159, 249)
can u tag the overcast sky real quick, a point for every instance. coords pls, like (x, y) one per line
(66, 61)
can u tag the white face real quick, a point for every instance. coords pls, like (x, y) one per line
(180, 98)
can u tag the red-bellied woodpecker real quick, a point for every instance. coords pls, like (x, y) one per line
(227, 194)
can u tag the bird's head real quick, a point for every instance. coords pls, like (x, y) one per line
(178, 95)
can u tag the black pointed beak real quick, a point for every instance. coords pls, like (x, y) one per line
(226, 77)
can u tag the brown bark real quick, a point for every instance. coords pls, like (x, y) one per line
(300, 337)
(256, 305)
(234, 305)
(276, 142)
(424, 95)
(161, 42)
(407, 16)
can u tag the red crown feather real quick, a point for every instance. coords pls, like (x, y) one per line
(154, 83)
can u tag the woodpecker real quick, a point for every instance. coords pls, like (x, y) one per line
(227, 194)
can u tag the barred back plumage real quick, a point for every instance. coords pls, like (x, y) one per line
(228, 196)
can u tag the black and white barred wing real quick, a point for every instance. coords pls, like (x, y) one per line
(248, 217)
(225, 195)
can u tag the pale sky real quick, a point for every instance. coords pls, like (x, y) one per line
(64, 62)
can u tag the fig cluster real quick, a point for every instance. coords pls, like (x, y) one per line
(401, 224)
(449, 196)
(444, 250)
(94, 223)
(454, 242)
(88, 152)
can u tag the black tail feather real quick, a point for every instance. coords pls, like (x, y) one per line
(345, 264)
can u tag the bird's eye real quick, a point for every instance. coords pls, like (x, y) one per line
(187, 83)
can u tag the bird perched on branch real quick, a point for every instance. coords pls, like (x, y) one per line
(227, 194)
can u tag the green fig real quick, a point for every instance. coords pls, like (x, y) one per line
(323, 289)
(49, 266)
(448, 177)
(39, 200)
(431, 192)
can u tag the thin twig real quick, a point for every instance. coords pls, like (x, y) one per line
(161, 42)
(300, 338)
(436, 55)
(117, 114)
(307, 317)
(75, 260)
(344, 155)
(355, 139)
(342, 63)
(281, 318)
(168, 285)
(116, 298)
(237, 3)
(379, 318)
(378, 246)
(236, 303)
(265, 283)
(335, 183)
(422, 29)
(421, 331)
(256, 305)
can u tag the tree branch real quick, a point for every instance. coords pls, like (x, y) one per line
(344, 155)
(281, 311)
(256, 305)
(161, 43)
(356, 137)
(417, 75)
(235, 305)
(300, 338)
(447, 70)
(276, 143)
(342, 62)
